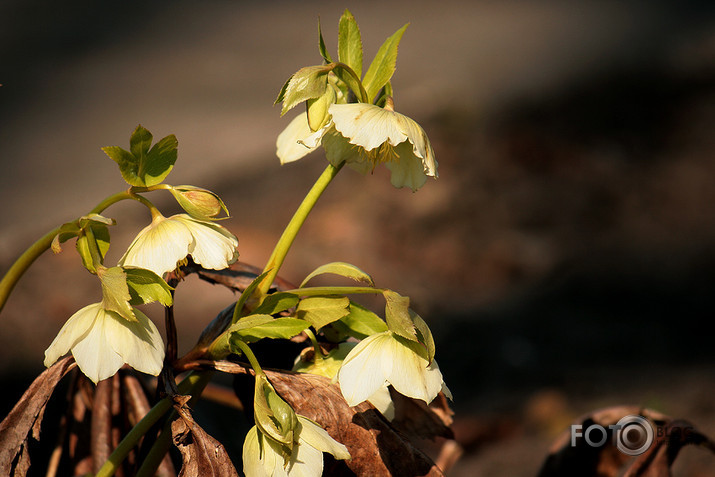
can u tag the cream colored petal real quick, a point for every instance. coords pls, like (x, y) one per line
(293, 143)
(421, 146)
(365, 368)
(214, 247)
(317, 437)
(252, 462)
(272, 460)
(383, 402)
(367, 125)
(306, 461)
(74, 329)
(159, 246)
(338, 149)
(411, 376)
(137, 342)
(94, 353)
(407, 170)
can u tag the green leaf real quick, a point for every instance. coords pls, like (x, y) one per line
(276, 303)
(246, 294)
(100, 236)
(340, 268)
(322, 310)
(143, 166)
(256, 327)
(424, 334)
(146, 286)
(307, 83)
(350, 43)
(360, 322)
(383, 66)
(397, 315)
(321, 45)
(66, 232)
(115, 292)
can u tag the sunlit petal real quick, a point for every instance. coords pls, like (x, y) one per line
(75, 329)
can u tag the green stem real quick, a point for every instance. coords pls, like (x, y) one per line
(318, 353)
(12, 276)
(321, 291)
(193, 384)
(293, 227)
(251, 357)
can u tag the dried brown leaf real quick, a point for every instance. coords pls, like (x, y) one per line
(26, 416)
(202, 455)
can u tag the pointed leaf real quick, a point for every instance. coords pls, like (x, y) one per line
(350, 43)
(397, 315)
(276, 303)
(424, 334)
(256, 327)
(115, 292)
(340, 268)
(146, 286)
(306, 83)
(143, 166)
(321, 45)
(322, 310)
(383, 66)
(100, 236)
(360, 322)
(159, 161)
(128, 164)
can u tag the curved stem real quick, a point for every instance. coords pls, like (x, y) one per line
(250, 356)
(317, 352)
(17, 269)
(293, 227)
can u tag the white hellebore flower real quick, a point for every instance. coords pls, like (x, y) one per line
(386, 359)
(101, 342)
(262, 456)
(364, 135)
(166, 241)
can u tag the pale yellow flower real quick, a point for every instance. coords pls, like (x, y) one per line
(166, 241)
(102, 341)
(386, 359)
(262, 456)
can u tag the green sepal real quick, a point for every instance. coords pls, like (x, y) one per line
(397, 315)
(199, 203)
(276, 303)
(350, 43)
(115, 292)
(66, 232)
(146, 286)
(252, 328)
(360, 322)
(383, 65)
(343, 269)
(98, 234)
(321, 45)
(274, 417)
(307, 83)
(350, 81)
(317, 109)
(424, 335)
(322, 310)
(142, 165)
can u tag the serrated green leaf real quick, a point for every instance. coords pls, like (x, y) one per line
(128, 164)
(340, 268)
(397, 315)
(383, 65)
(307, 83)
(140, 142)
(350, 43)
(276, 303)
(317, 109)
(322, 310)
(66, 232)
(321, 45)
(146, 286)
(144, 165)
(424, 334)
(256, 327)
(115, 292)
(360, 322)
(159, 161)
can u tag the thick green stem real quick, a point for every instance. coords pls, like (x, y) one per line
(293, 227)
(193, 384)
(21, 265)
(250, 356)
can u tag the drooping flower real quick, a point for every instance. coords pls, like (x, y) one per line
(263, 456)
(102, 341)
(166, 241)
(364, 135)
(386, 359)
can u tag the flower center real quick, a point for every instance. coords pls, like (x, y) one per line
(384, 153)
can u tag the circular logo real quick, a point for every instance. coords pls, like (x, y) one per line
(634, 435)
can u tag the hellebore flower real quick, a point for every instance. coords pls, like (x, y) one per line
(166, 241)
(386, 359)
(263, 456)
(101, 342)
(364, 135)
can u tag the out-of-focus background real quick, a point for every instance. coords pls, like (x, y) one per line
(565, 258)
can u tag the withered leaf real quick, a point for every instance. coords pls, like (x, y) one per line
(669, 436)
(376, 448)
(27, 416)
(202, 455)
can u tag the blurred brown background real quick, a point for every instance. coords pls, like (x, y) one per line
(565, 258)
